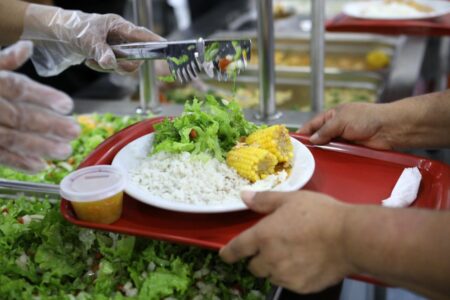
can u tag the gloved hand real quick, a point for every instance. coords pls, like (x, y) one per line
(65, 37)
(32, 127)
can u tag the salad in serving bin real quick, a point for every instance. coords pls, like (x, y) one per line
(45, 257)
(95, 129)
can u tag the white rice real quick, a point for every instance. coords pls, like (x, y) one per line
(187, 179)
(182, 178)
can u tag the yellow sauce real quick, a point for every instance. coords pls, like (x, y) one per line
(104, 211)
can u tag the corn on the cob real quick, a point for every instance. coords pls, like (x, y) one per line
(274, 139)
(251, 162)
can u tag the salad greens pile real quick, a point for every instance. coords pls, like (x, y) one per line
(42, 256)
(211, 126)
(48, 258)
(95, 129)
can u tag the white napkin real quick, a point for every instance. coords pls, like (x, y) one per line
(405, 190)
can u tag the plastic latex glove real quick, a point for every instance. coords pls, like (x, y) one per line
(32, 127)
(65, 37)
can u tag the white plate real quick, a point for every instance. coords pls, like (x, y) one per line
(359, 10)
(130, 156)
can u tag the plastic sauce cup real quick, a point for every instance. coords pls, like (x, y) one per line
(95, 192)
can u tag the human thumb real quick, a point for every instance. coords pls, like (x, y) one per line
(105, 57)
(331, 129)
(264, 202)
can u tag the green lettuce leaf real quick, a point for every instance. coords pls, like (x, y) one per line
(211, 126)
(165, 282)
(104, 126)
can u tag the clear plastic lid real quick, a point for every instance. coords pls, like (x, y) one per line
(92, 183)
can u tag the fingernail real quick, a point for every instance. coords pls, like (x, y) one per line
(26, 47)
(69, 129)
(62, 151)
(314, 138)
(108, 62)
(62, 103)
(74, 130)
(32, 165)
(247, 196)
(159, 38)
(64, 107)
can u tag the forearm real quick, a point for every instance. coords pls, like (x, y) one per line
(419, 122)
(12, 14)
(404, 247)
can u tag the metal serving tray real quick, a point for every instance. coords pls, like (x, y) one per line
(292, 89)
(399, 79)
(293, 82)
(338, 45)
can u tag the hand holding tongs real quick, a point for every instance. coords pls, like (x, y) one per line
(218, 58)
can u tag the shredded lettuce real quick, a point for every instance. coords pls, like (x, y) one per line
(179, 60)
(211, 126)
(95, 129)
(211, 51)
(49, 258)
(167, 79)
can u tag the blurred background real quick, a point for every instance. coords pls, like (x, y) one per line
(358, 66)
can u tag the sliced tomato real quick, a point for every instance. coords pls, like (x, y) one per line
(223, 64)
(193, 134)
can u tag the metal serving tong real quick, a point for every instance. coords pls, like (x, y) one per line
(10, 189)
(221, 59)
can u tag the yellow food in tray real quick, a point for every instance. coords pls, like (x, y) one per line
(347, 62)
(104, 211)
(377, 59)
(251, 162)
(416, 5)
(262, 152)
(95, 193)
(275, 139)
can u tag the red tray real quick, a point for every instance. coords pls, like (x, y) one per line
(350, 173)
(429, 27)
